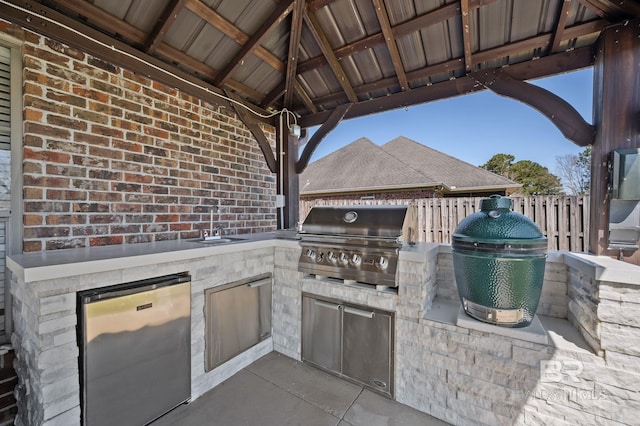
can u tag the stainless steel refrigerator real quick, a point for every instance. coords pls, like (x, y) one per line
(135, 357)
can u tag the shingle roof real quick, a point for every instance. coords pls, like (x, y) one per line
(399, 164)
(454, 174)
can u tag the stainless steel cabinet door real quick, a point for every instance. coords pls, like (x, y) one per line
(367, 352)
(321, 333)
(238, 316)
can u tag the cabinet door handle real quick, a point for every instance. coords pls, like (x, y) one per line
(359, 312)
(326, 304)
(259, 282)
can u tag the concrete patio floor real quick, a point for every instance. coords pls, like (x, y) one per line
(277, 390)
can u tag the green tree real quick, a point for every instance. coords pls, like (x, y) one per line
(535, 178)
(500, 164)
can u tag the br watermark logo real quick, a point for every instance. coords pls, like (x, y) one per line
(566, 374)
(552, 371)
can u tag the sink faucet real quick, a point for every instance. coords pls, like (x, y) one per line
(212, 233)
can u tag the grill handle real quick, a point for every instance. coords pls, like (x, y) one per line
(326, 304)
(359, 312)
(259, 283)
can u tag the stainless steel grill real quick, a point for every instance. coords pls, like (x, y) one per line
(359, 243)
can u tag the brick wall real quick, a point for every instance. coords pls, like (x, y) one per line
(111, 157)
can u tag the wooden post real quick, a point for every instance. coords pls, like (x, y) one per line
(287, 156)
(616, 102)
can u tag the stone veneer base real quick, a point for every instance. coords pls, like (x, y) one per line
(458, 374)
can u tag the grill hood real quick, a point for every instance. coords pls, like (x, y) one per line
(395, 222)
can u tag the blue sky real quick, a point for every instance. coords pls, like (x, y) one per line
(475, 127)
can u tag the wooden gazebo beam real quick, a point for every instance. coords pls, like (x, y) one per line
(253, 126)
(166, 19)
(323, 42)
(276, 17)
(549, 65)
(334, 119)
(295, 35)
(560, 112)
(390, 41)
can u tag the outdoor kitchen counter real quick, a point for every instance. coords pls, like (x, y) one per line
(44, 288)
(40, 266)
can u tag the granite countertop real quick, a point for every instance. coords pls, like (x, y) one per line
(78, 261)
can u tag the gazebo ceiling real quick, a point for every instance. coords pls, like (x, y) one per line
(313, 57)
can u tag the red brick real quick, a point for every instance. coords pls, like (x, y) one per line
(90, 70)
(125, 229)
(106, 197)
(56, 194)
(130, 177)
(91, 139)
(33, 220)
(49, 181)
(66, 75)
(155, 208)
(158, 133)
(138, 238)
(127, 208)
(136, 137)
(107, 131)
(54, 83)
(31, 246)
(65, 244)
(136, 77)
(126, 105)
(46, 232)
(126, 125)
(139, 158)
(46, 55)
(90, 94)
(46, 207)
(180, 227)
(66, 99)
(48, 131)
(126, 165)
(106, 87)
(91, 116)
(69, 123)
(32, 115)
(29, 88)
(59, 219)
(29, 167)
(64, 49)
(127, 146)
(106, 241)
(105, 152)
(90, 207)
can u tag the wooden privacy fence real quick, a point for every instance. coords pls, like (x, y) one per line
(564, 220)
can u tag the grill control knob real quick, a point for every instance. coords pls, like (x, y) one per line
(331, 256)
(343, 259)
(382, 263)
(311, 255)
(320, 257)
(355, 259)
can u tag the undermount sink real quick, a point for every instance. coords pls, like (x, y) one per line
(221, 240)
